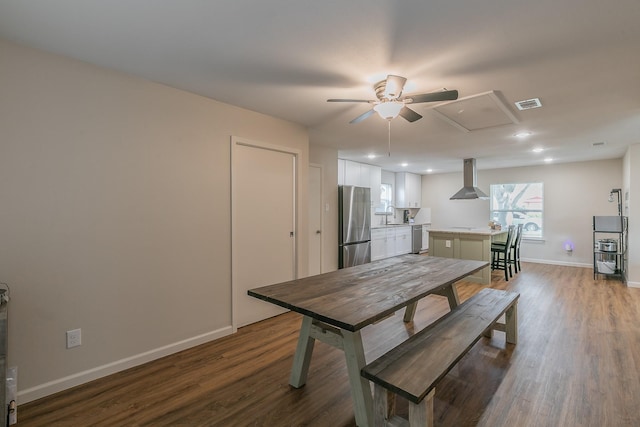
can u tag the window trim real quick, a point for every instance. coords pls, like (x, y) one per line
(534, 216)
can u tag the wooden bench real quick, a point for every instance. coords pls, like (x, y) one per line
(413, 368)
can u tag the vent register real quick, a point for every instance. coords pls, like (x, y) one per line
(528, 104)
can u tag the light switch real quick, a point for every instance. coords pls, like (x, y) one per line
(447, 243)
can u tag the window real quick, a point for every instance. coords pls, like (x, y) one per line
(513, 204)
(386, 197)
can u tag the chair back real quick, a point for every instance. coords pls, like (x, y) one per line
(510, 236)
(516, 241)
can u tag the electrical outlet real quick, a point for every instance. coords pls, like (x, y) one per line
(74, 338)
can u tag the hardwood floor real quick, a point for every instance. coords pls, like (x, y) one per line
(577, 363)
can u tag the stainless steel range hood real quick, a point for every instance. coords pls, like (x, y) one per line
(469, 191)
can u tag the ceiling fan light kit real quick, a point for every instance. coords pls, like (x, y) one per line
(389, 110)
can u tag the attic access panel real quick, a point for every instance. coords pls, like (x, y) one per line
(481, 111)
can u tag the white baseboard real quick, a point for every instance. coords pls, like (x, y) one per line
(73, 380)
(570, 264)
(563, 263)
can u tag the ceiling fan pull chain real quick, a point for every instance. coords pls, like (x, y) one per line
(389, 135)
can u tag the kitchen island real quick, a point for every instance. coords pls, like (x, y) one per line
(473, 243)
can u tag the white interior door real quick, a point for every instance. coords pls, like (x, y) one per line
(315, 219)
(263, 226)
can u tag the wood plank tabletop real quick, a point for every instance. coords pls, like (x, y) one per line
(352, 298)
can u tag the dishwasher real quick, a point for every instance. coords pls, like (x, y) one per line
(416, 239)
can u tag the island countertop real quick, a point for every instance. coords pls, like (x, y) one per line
(483, 231)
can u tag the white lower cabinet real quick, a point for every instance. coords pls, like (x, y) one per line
(390, 246)
(403, 240)
(390, 241)
(378, 244)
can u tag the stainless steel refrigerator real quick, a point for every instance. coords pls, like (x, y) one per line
(354, 226)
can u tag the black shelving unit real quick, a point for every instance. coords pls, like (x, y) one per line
(609, 262)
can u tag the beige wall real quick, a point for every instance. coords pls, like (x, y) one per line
(114, 215)
(573, 193)
(632, 210)
(328, 158)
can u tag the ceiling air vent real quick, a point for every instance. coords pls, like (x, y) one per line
(528, 104)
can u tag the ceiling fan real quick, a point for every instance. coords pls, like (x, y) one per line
(391, 103)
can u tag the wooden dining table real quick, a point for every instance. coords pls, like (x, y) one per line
(337, 305)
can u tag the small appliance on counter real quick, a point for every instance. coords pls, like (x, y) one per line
(405, 216)
(606, 245)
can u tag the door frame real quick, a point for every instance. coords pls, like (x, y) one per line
(319, 166)
(239, 141)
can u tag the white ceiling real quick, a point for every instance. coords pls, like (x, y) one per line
(285, 58)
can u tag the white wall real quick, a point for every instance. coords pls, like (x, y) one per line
(114, 215)
(328, 158)
(573, 193)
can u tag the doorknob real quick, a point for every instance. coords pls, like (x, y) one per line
(318, 232)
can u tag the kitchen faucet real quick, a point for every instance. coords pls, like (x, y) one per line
(386, 217)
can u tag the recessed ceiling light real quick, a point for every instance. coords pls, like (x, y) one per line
(548, 160)
(404, 165)
(538, 150)
(371, 156)
(523, 134)
(429, 170)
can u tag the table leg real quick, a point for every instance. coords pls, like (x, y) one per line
(452, 295)
(360, 388)
(302, 358)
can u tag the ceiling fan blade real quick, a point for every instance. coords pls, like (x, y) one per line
(394, 86)
(361, 117)
(447, 95)
(350, 100)
(409, 115)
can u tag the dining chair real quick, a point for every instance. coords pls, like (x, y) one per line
(515, 249)
(501, 254)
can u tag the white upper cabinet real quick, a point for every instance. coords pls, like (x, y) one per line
(408, 190)
(361, 175)
(352, 175)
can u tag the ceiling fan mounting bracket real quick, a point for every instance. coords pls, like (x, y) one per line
(380, 89)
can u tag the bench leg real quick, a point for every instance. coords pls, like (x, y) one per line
(384, 405)
(409, 312)
(421, 415)
(489, 332)
(302, 358)
(511, 323)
